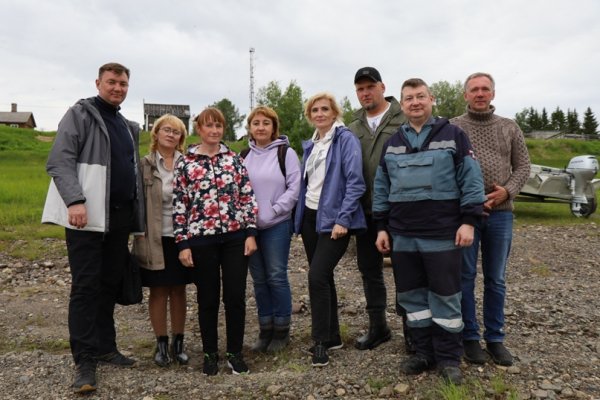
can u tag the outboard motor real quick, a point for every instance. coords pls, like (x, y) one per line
(582, 169)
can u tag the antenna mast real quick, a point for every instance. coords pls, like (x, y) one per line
(251, 78)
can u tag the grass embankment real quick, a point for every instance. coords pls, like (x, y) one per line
(24, 182)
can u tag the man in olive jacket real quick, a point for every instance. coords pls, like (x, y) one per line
(373, 124)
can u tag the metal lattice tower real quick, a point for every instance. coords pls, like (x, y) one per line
(251, 78)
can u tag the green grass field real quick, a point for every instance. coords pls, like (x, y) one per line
(24, 182)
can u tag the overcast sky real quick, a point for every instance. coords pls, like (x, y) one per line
(543, 53)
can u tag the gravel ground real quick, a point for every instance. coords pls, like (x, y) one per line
(552, 328)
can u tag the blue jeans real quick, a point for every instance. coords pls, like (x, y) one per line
(495, 236)
(269, 270)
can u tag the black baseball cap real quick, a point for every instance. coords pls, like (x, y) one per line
(367, 72)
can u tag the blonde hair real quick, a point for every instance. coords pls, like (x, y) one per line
(176, 123)
(320, 96)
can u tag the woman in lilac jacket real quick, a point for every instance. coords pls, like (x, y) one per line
(328, 211)
(276, 195)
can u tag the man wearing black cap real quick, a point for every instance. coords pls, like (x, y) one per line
(377, 120)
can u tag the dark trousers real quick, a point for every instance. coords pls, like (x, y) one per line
(428, 288)
(370, 265)
(217, 263)
(96, 260)
(323, 254)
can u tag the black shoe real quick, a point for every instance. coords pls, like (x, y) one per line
(451, 374)
(264, 338)
(334, 344)
(281, 338)
(320, 358)
(177, 350)
(500, 354)
(236, 362)
(116, 358)
(374, 337)
(416, 364)
(85, 377)
(161, 353)
(211, 364)
(474, 353)
(378, 333)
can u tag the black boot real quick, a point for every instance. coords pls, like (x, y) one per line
(378, 333)
(264, 338)
(409, 346)
(281, 338)
(161, 354)
(177, 350)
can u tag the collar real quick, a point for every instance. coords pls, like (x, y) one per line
(481, 115)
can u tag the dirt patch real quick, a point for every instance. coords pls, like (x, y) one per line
(552, 328)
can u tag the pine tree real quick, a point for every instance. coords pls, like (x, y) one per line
(573, 125)
(590, 125)
(558, 121)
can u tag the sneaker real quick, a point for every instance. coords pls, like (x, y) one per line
(211, 364)
(416, 364)
(235, 361)
(334, 344)
(320, 358)
(474, 353)
(451, 374)
(116, 358)
(85, 377)
(500, 354)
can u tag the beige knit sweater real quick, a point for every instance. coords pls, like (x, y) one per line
(500, 148)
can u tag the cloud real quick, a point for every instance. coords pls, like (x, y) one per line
(542, 53)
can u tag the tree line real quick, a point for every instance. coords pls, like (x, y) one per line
(289, 101)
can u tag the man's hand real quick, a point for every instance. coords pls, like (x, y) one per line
(338, 232)
(383, 242)
(250, 246)
(496, 197)
(77, 214)
(185, 256)
(464, 235)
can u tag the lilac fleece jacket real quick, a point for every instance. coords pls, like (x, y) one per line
(276, 195)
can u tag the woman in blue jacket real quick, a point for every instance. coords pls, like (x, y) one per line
(328, 211)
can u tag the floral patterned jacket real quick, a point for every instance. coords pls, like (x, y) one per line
(211, 196)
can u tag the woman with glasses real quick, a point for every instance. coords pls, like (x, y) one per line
(156, 251)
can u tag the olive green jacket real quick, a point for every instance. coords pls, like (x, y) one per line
(371, 144)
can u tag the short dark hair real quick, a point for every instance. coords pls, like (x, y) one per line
(113, 67)
(414, 83)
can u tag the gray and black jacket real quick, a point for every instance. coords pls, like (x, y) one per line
(79, 164)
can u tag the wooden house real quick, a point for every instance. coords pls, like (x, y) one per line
(152, 112)
(17, 119)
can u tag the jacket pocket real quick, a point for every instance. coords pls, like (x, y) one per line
(411, 174)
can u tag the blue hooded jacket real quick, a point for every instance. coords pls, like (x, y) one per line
(344, 185)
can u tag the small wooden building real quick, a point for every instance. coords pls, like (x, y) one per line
(152, 112)
(17, 119)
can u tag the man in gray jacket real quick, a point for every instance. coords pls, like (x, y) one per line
(377, 120)
(95, 194)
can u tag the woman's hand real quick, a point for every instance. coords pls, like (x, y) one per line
(338, 232)
(185, 256)
(250, 246)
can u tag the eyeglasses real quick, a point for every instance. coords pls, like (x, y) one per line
(170, 131)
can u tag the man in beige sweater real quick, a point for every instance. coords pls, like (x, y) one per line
(500, 147)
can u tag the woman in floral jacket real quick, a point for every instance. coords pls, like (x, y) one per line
(214, 221)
